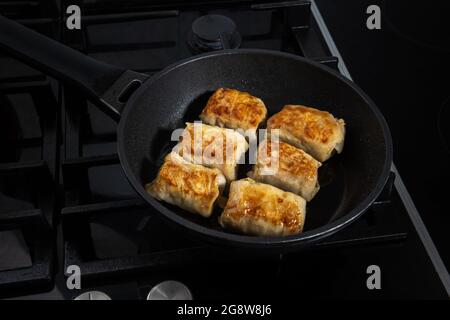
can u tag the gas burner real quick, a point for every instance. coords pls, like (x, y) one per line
(170, 290)
(213, 32)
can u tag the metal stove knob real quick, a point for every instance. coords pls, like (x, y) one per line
(170, 290)
(93, 295)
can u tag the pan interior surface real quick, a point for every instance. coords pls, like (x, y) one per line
(349, 181)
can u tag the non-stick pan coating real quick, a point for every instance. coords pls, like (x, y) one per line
(350, 181)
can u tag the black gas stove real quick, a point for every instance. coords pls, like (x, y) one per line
(64, 200)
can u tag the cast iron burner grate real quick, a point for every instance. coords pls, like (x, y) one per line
(213, 32)
(27, 186)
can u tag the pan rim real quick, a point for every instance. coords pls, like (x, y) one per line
(257, 241)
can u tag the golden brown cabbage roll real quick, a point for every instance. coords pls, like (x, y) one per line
(212, 147)
(286, 167)
(189, 186)
(234, 109)
(314, 131)
(261, 209)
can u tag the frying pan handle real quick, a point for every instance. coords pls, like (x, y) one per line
(107, 85)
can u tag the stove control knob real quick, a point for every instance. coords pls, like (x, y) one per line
(170, 290)
(93, 295)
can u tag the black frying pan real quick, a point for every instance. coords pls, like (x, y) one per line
(150, 108)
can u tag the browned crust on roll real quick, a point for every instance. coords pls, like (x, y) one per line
(192, 187)
(287, 167)
(317, 132)
(261, 209)
(234, 109)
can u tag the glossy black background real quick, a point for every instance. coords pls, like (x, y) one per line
(405, 68)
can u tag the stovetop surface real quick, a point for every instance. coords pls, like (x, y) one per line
(404, 68)
(65, 200)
